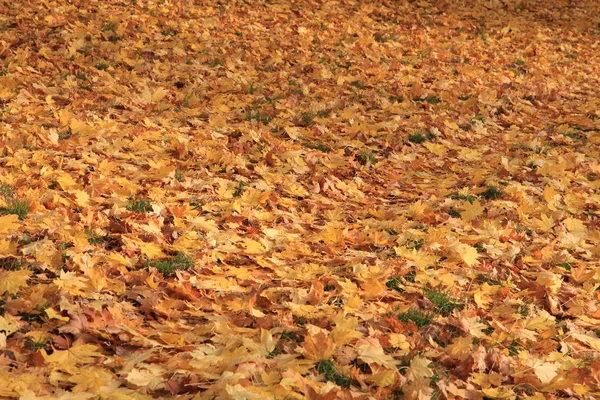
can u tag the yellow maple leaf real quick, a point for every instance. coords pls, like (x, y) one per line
(383, 378)
(9, 223)
(267, 342)
(72, 283)
(149, 376)
(472, 211)
(52, 314)
(370, 351)
(12, 281)
(551, 196)
(398, 341)
(252, 246)
(460, 348)
(435, 148)
(205, 225)
(82, 199)
(550, 280)
(575, 225)
(544, 224)
(482, 295)
(78, 354)
(152, 251)
(546, 371)
(9, 324)
(318, 347)
(592, 342)
(7, 248)
(345, 329)
(91, 379)
(501, 392)
(466, 253)
(417, 210)
(419, 367)
(66, 182)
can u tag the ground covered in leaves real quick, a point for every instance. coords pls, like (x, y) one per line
(308, 199)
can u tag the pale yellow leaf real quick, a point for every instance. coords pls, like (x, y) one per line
(420, 367)
(159, 94)
(72, 283)
(460, 348)
(499, 393)
(545, 372)
(79, 353)
(345, 329)
(398, 341)
(550, 280)
(592, 342)
(267, 342)
(417, 210)
(82, 199)
(205, 225)
(12, 281)
(435, 148)
(370, 351)
(66, 182)
(575, 225)
(52, 314)
(544, 224)
(148, 377)
(451, 125)
(551, 196)
(464, 252)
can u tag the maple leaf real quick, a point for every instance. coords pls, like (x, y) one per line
(472, 211)
(544, 223)
(146, 375)
(546, 371)
(370, 351)
(345, 329)
(318, 347)
(8, 324)
(384, 378)
(12, 281)
(301, 188)
(68, 359)
(91, 379)
(464, 252)
(72, 283)
(550, 280)
(9, 223)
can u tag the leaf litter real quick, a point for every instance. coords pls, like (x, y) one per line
(299, 199)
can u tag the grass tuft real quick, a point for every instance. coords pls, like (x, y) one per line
(395, 283)
(139, 206)
(6, 190)
(327, 369)
(420, 318)
(93, 237)
(16, 206)
(492, 193)
(467, 197)
(366, 158)
(10, 263)
(170, 265)
(442, 302)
